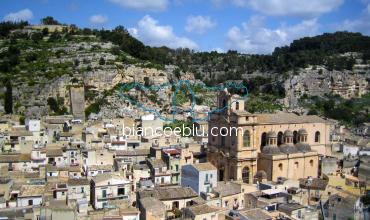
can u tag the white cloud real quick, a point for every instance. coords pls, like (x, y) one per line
(253, 37)
(288, 7)
(218, 50)
(98, 19)
(199, 24)
(22, 15)
(360, 24)
(151, 33)
(150, 5)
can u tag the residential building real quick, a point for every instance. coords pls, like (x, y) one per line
(108, 187)
(201, 177)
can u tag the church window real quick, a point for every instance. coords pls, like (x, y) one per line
(246, 139)
(296, 165)
(311, 163)
(317, 136)
(280, 166)
(245, 175)
(280, 138)
(295, 137)
(263, 140)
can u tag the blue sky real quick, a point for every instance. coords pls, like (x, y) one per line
(249, 26)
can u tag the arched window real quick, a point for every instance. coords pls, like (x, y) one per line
(295, 137)
(317, 136)
(237, 105)
(311, 163)
(246, 139)
(245, 175)
(263, 139)
(280, 138)
(280, 166)
(296, 165)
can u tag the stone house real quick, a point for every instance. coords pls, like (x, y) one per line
(174, 198)
(30, 195)
(204, 212)
(106, 188)
(78, 189)
(159, 172)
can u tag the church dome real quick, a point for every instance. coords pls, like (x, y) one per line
(288, 149)
(271, 134)
(271, 150)
(288, 133)
(302, 131)
(303, 147)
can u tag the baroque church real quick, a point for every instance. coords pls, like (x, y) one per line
(272, 146)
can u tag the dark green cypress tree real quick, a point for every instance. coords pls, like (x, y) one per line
(8, 101)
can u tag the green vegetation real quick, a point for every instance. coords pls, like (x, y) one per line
(30, 58)
(49, 21)
(8, 101)
(57, 105)
(365, 199)
(187, 125)
(350, 112)
(96, 106)
(263, 103)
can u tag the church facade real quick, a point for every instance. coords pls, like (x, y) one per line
(275, 145)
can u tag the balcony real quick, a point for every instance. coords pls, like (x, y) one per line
(112, 197)
(38, 158)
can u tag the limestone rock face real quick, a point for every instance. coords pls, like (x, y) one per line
(347, 84)
(102, 79)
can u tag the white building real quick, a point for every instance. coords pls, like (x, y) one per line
(108, 187)
(350, 150)
(32, 125)
(201, 177)
(79, 189)
(30, 195)
(159, 172)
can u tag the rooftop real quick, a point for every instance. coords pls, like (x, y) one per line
(153, 204)
(54, 152)
(100, 167)
(136, 152)
(227, 188)
(255, 214)
(289, 207)
(204, 166)
(203, 209)
(14, 158)
(169, 193)
(314, 183)
(157, 163)
(78, 182)
(288, 118)
(31, 190)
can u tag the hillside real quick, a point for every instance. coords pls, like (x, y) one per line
(38, 65)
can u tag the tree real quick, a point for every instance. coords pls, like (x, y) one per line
(8, 102)
(53, 104)
(76, 62)
(177, 73)
(49, 21)
(36, 36)
(45, 31)
(101, 61)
